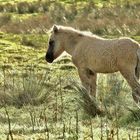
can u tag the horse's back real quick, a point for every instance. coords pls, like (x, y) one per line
(108, 55)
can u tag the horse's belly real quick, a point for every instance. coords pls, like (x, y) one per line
(104, 65)
(105, 70)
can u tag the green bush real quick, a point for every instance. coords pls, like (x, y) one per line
(114, 21)
(1, 8)
(4, 19)
(8, 7)
(23, 7)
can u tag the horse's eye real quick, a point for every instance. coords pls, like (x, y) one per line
(51, 42)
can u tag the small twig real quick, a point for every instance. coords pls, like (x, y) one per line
(9, 124)
(70, 125)
(62, 104)
(64, 130)
(138, 132)
(116, 115)
(101, 128)
(46, 125)
(77, 124)
(91, 128)
(33, 120)
(56, 107)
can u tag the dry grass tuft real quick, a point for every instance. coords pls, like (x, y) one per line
(89, 104)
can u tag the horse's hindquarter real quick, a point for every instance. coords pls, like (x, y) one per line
(127, 53)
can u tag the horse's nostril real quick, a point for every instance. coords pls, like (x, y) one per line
(49, 58)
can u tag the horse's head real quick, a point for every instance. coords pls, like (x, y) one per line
(55, 46)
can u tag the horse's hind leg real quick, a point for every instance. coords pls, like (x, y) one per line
(132, 80)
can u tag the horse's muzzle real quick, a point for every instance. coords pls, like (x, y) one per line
(49, 58)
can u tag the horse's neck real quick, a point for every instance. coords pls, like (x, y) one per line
(71, 43)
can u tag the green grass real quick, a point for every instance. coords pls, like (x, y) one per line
(29, 95)
(18, 51)
(59, 111)
(15, 1)
(47, 101)
(23, 129)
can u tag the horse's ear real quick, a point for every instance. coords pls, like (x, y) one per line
(55, 29)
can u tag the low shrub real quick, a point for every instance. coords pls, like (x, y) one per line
(4, 19)
(27, 89)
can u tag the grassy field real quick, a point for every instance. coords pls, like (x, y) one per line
(47, 102)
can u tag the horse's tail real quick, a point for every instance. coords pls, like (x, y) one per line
(137, 70)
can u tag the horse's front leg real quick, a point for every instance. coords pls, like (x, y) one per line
(88, 79)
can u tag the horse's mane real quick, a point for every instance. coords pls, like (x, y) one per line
(67, 29)
(72, 30)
